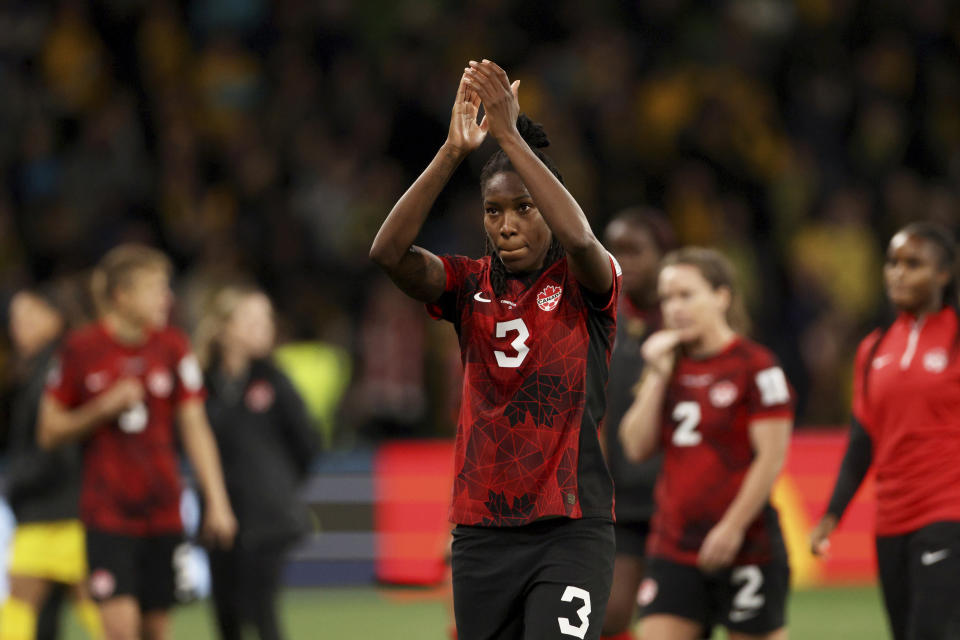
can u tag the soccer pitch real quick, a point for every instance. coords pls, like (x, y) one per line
(368, 613)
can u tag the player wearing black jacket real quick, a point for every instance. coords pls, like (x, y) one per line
(266, 446)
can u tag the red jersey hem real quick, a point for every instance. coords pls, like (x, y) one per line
(916, 524)
(690, 559)
(134, 532)
(775, 413)
(479, 521)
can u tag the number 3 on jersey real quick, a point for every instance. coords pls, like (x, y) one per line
(687, 413)
(519, 344)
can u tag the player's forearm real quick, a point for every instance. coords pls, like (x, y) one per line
(562, 214)
(402, 225)
(560, 210)
(640, 427)
(755, 491)
(57, 426)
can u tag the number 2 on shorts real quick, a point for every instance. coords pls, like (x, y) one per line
(568, 629)
(748, 597)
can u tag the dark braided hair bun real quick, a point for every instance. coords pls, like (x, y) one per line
(535, 136)
(532, 132)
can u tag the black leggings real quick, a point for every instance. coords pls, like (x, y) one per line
(920, 577)
(245, 587)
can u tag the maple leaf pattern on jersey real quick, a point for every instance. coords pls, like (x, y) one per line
(541, 397)
(532, 364)
(504, 512)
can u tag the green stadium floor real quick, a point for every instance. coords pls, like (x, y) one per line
(371, 614)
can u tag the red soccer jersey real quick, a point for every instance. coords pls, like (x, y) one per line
(535, 366)
(911, 409)
(707, 411)
(131, 482)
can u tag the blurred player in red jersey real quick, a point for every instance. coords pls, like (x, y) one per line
(638, 238)
(721, 409)
(906, 422)
(120, 385)
(533, 548)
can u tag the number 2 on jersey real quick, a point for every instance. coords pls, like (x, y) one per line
(687, 413)
(519, 344)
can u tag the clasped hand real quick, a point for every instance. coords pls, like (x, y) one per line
(483, 83)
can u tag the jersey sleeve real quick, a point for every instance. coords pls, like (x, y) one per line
(189, 375)
(448, 305)
(63, 377)
(606, 303)
(769, 393)
(859, 406)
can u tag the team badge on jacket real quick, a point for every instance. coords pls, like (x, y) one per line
(549, 297)
(260, 396)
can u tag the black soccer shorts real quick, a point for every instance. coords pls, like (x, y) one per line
(632, 537)
(138, 566)
(549, 580)
(920, 576)
(750, 599)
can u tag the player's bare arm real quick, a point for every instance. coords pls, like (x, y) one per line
(416, 271)
(219, 523)
(589, 261)
(58, 425)
(640, 427)
(770, 439)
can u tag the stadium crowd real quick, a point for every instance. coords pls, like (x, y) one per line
(269, 139)
(259, 145)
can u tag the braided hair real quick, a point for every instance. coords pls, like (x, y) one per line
(536, 138)
(946, 247)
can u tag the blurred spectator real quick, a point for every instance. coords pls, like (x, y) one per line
(266, 444)
(391, 383)
(271, 138)
(43, 487)
(75, 63)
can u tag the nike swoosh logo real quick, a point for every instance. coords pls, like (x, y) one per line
(478, 296)
(882, 361)
(739, 616)
(928, 558)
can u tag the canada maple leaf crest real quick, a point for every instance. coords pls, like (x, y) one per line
(549, 297)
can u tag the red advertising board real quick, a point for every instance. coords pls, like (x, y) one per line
(412, 484)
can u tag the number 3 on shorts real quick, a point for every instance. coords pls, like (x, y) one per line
(568, 629)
